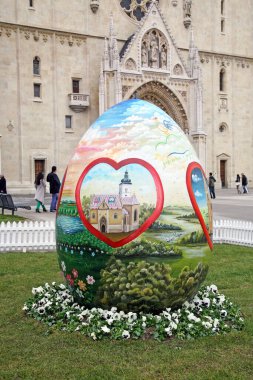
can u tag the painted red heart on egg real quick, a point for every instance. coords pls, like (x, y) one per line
(189, 183)
(123, 207)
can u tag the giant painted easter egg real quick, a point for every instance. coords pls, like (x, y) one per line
(134, 218)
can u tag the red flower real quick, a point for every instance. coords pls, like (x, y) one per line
(70, 279)
(75, 273)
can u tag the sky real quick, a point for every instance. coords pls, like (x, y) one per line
(199, 187)
(104, 179)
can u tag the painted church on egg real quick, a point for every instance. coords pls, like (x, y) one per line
(116, 213)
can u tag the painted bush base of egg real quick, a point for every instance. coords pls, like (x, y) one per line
(134, 218)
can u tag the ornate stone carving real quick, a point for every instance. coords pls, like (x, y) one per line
(94, 5)
(223, 106)
(36, 35)
(130, 64)
(27, 34)
(178, 69)
(187, 12)
(154, 50)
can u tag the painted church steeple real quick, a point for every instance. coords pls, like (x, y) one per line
(125, 186)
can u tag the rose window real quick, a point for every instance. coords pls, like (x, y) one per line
(136, 9)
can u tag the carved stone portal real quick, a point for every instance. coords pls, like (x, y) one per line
(130, 64)
(154, 50)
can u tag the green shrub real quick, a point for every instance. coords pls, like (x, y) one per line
(144, 248)
(147, 287)
(193, 237)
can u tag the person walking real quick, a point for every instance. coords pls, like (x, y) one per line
(55, 185)
(244, 184)
(40, 186)
(211, 185)
(2, 184)
(238, 183)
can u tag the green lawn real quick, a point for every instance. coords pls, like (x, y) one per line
(11, 218)
(28, 352)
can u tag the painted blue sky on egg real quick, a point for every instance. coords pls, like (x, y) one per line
(199, 187)
(104, 179)
(134, 110)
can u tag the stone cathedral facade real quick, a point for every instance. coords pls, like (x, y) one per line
(63, 63)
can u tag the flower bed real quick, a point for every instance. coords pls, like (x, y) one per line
(209, 313)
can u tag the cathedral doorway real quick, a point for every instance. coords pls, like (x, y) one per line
(160, 95)
(223, 172)
(103, 224)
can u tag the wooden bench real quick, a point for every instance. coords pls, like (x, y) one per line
(6, 203)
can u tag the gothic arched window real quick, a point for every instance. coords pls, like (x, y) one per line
(222, 79)
(135, 215)
(36, 66)
(136, 9)
(222, 4)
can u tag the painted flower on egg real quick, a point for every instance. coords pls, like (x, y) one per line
(134, 220)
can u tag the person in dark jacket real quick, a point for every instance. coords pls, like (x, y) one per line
(244, 183)
(55, 185)
(2, 184)
(211, 185)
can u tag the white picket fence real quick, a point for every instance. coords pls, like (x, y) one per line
(233, 232)
(27, 236)
(40, 236)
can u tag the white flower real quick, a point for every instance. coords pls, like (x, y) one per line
(90, 280)
(61, 286)
(144, 318)
(93, 335)
(196, 301)
(221, 299)
(143, 325)
(192, 317)
(37, 290)
(213, 288)
(206, 302)
(207, 325)
(168, 331)
(216, 322)
(25, 307)
(173, 325)
(223, 313)
(41, 310)
(105, 329)
(126, 334)
(110, 321)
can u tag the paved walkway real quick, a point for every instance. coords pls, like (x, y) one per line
(227, 205)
